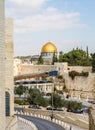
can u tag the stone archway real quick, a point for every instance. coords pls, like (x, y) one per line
(7, 103)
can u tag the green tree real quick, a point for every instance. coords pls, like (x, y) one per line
(54, 59)
(74, 105)
(19, 90)
(60, 56)
(57, 101)
(77, 57)
(40, 61)
(93, 62)
(36, 97)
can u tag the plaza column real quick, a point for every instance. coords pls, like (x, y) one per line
(2, 66)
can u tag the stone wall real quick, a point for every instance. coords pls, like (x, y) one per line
(92, 119)
(81, 87)
(28, 69)
(9, 62)
(80, 68)
(2, 67)
(11, 123)
(20, 68)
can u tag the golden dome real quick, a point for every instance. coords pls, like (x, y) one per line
(49, 47)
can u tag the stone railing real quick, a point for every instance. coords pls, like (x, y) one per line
(92, 118)
(54, 120)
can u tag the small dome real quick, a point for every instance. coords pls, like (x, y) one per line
(49, 47)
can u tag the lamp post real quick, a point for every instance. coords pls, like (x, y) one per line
(53, 74)
(52, 115)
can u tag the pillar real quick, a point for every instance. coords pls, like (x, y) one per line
(2, 67)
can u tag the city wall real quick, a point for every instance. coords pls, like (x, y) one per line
(80, 87)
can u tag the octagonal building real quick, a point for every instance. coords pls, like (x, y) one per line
(48, 51)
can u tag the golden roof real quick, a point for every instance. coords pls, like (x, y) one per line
(49, 47)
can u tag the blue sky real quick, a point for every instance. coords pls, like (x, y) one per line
(66, 23)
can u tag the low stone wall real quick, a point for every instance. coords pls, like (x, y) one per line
(92, 118)
(33, 127)
(11, 123)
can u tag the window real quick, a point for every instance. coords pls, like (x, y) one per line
(7, 103)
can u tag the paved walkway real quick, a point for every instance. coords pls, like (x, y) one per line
(76, 127)
(23, 126)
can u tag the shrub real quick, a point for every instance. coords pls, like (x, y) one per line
(72, 105)
(73, 73)
(21, 102)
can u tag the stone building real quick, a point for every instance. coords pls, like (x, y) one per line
(9, 89)
(6, 68)
(2, 67)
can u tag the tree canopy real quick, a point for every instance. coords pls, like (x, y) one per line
(40, 60)
(77, 57)
(93, 62)
(57, 101)
(35, 97)
(54, 59)
(19, 90)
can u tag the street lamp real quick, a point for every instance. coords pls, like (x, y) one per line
(52, 115)
(53, 74)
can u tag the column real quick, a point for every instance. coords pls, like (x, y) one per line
(2, 67)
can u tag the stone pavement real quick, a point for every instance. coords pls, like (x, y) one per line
(23, 126)
(77, 121)
(73, 127)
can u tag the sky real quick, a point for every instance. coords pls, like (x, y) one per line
(66, 23)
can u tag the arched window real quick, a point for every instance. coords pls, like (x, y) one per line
(7, 104)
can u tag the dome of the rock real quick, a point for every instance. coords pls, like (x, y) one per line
(49, 48)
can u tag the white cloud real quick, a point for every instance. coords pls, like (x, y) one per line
(26, 21)
(49, 20)
(21, 8)
(25, 3)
